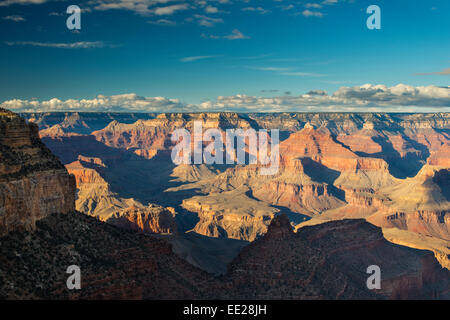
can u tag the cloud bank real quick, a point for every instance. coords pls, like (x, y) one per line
(365, 98)
(116, 103)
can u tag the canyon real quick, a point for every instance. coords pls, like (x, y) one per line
(390, 169)
(353, 190)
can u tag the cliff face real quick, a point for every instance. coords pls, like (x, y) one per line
(81, 122)
(95, 198)
(420, 204)
(405, 273)
(151, 219)
(154, 134)
(33, 183)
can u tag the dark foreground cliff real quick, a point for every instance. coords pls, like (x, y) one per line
(115, 264)
(327, 261)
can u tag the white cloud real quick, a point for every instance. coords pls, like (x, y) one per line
(157, 7)
(211, 9)
(71, 45)
(24, 2)
(163, 22)
(205, 21)
(313, 5)
(365, 98)
(259, 10)
(309, 13)
(169, 10)
(143, 7)
(116, 103)
(287, 7)
(15, 18)
(235, 35)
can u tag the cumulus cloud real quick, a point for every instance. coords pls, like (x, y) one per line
(169, 10)
(142, 7)
(116, 103)
(211, 9)
(365, 98)
(158, 7)
(235, 35)
(313, 5)
(309, 13)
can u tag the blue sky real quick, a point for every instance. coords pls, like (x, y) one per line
(196, 51)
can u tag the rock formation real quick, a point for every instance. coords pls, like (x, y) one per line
(115, 264)
(151, 219)
(230, 214)
(329, 261)
(33, 182)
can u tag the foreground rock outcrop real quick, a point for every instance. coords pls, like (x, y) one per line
(33, 182)
(115, 264)
(329, 261)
